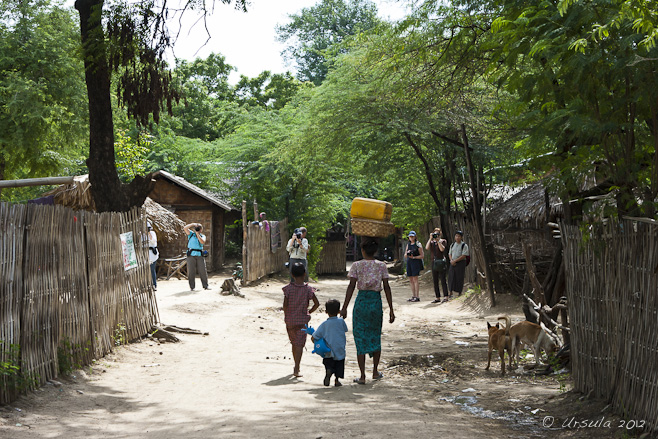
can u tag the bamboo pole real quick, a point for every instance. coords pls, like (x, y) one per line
(35, 182)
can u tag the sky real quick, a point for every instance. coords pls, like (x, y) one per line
(248, 40)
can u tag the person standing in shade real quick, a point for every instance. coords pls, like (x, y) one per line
(415, 257)
(298, 248)
(437, 247)
(153, 253)
(457, 254)
(195, 260)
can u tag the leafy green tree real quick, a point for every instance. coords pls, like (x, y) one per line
(206, 110)
(314, 35)
(287, 179)
(267, 90)
(594, 105)
(42, 120)
(131, 154)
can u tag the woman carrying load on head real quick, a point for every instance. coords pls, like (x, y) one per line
(370, 276)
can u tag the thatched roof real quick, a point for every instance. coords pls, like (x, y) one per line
(77, 195)
(525, 210)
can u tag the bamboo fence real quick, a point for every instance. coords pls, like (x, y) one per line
(612, 288)
(333, 259)
(64, 293)
(258, 258)
(12, 229)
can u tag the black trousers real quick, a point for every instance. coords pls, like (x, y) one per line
(337, 367)
(440, 277)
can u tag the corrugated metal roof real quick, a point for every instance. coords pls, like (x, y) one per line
(195, 189)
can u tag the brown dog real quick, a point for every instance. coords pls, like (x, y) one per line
(533, 335)
(500, 340)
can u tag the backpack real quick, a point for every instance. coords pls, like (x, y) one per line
(468, 257)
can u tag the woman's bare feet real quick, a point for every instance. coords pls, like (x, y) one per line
(296, 373)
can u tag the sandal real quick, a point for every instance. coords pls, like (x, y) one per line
(379, 376)
(416, 299)
(358, 381)
(436, 301)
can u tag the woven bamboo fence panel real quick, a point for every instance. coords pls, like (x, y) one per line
(12, 226)
(64, 292)
(612, 287)
(122, 302)
(332, 258)
(260, 260)
(54, 308)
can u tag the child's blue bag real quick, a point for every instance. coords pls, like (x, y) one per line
(320, 346)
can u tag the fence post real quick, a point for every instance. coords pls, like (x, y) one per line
(245, 268)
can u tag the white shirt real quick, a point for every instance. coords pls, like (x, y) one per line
(297, 252)
(153, 242)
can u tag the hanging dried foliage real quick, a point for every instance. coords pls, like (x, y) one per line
(137, 41)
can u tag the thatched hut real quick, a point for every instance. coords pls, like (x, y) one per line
(77, 195)
(193, 204)
(523, 218)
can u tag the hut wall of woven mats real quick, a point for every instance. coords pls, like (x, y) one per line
(66, 294)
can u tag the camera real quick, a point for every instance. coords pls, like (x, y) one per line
(299, 236)
(435, 235)
(197, 228)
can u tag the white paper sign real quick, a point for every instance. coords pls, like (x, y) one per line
(128, 247)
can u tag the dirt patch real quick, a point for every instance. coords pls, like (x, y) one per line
(236, 382)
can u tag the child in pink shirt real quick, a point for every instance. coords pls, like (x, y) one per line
(297, 296)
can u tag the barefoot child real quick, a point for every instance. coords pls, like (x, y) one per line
(297, 296)
(333, 331)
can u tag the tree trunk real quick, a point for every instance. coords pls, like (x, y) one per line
(109, 194)
(477, 217)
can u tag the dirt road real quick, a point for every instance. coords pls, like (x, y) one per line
(236, 382)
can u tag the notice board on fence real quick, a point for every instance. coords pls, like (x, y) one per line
(128, 247)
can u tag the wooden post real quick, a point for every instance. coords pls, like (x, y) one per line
(245, 238)
(478, 218)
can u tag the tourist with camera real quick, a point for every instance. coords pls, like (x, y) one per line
(415, 264)
(195, 255)
(297, 248)
(437, 246)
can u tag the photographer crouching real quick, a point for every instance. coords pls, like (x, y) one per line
(297, 248)
(195, 260)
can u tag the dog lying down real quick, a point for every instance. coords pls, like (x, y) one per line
(500, 340)
(533, 336)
